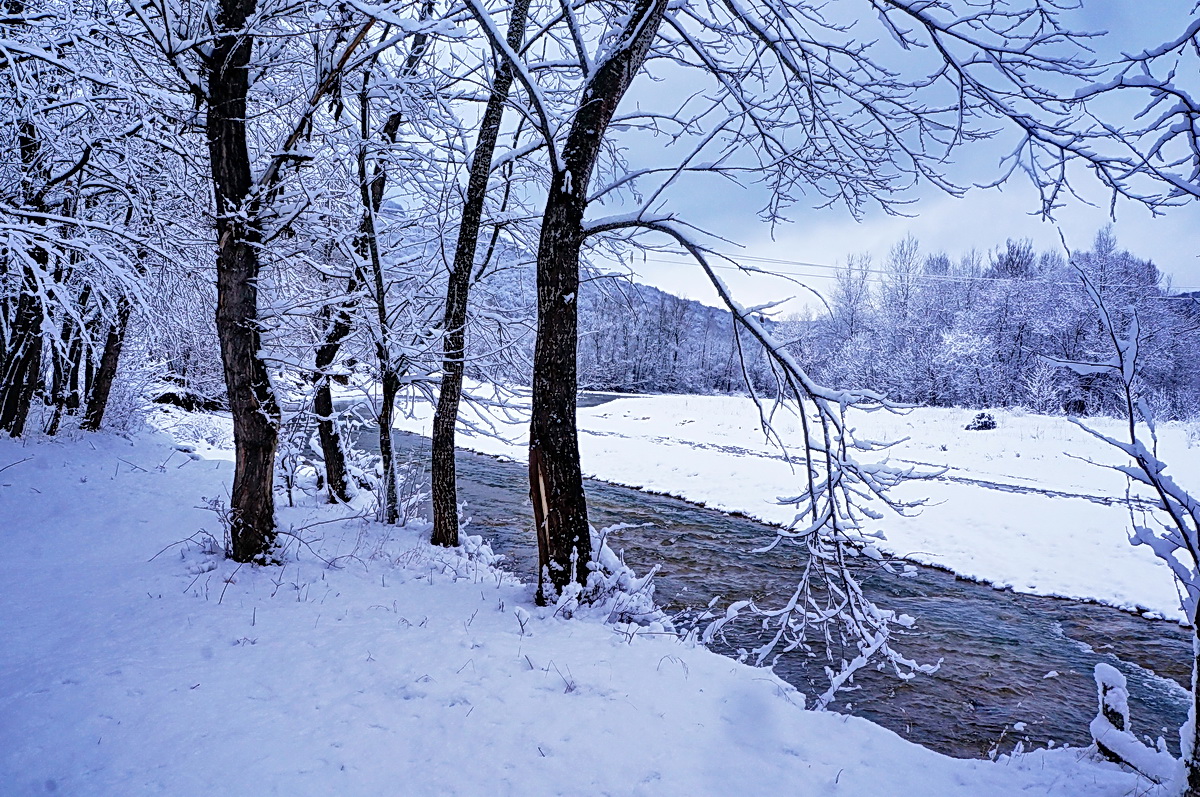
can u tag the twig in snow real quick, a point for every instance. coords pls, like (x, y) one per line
(18, 462)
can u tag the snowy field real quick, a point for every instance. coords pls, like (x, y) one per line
(1019, 507)
(136, 662)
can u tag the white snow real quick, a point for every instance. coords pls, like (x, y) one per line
(1119, 740)
(711, 450)
(371, 664)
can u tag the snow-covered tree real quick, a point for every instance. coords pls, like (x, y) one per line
(1172, 533)
(75, 213)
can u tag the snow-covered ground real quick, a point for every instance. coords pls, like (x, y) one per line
(135, 662)
(1019, 506)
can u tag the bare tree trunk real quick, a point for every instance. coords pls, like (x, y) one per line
(373, 185)
(555, 480)
(389, 370)
(251, 397)
(79, 352)
(23, 360)
(458, 285)
(64, 389)
(101, 386)
(334, 455)
(390, 498)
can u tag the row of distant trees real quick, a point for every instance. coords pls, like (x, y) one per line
(637, 339)
(985, 330)
(992, 330)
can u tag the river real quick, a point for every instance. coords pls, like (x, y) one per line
(1008, 658)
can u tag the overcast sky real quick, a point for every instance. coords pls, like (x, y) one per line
(816, 241)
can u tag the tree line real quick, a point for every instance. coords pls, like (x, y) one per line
(996, 329)
(990, 329)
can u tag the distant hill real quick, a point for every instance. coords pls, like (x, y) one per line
(632, 337)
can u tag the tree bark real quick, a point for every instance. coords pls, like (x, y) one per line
(336, 481)
(64, 385)
(23, 358)
(372, 185)
(390, 498)
(555, 480)
(102, 382)
(251, 397)
(389, 370)
(458, 285)
(23, 361)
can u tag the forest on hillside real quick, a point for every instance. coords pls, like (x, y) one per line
(993, 328)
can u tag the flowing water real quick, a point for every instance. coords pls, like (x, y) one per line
(1008, 657)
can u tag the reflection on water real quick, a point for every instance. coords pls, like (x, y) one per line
(1000, 648)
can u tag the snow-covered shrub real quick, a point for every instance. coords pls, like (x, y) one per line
(1113, 737)
(472, 560)
(213, 431)
(412, 487)
(1191, 432)
(126, 409)
(1044, 388)
(613, 589)
(298, 463)
(365, 469)
(982, 422)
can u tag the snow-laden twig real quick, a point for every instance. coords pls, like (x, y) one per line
(1176, 542)
(833, 508)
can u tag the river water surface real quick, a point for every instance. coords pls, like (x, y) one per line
(1008, 658)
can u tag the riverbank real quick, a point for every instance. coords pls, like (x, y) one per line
(1021, 507)
(996, 647)
(136, 661)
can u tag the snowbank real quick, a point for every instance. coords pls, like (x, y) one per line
(371, 664)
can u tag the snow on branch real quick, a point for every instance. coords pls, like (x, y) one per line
(545, 117)
(833, 508)
(1180, 532)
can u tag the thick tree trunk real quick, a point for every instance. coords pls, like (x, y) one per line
(101, 386)
(23, 359)
(555, 481)
(458, 285)
(251, 398)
